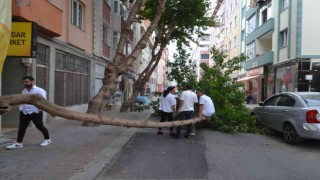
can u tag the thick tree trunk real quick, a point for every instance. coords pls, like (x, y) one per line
(97, 103)
(127, 104)
(120, 62)
(138, 86)
(8, 103)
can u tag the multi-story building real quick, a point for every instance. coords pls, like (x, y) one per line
(226, 36)
(200, 52)
(279, 40)
(61, 61)
(232, 24)
(144, 58)
(218, 33)
(73, 41)
(162, 69)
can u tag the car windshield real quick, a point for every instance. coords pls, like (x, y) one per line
(311, 99)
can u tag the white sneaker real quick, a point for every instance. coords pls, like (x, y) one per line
(45, 142)
(15, 145)
(192, 134)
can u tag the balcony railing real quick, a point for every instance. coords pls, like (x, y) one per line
(260, 31)
(266, 58)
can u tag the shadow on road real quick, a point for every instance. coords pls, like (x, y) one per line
(149, 155)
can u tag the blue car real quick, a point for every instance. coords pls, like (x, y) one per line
(142, 100)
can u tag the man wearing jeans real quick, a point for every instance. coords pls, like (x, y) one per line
(186, 109)
(30, 112)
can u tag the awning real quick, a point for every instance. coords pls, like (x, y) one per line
(247, 78)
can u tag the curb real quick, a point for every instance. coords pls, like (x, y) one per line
(106, 157)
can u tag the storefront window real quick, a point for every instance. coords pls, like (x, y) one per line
(270, 82)
(286, 79)
(315, 83)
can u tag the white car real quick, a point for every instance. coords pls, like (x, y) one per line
(295, 114)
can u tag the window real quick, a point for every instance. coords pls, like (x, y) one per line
(205, 38)
(235, 41)
(76, 13)
(230, 26)
(284, 4)
(105, 35)
(235, 21)
(43, 56)
(265, 13)
(204, 56)
(106, 12)
(116, 6)
(115, 39)
(251, 24)
(123, 11)
(284, 38)
(230, 44)
(251, 50)
(72, 80)
(264, 16)
(286, 101)
(272, 101)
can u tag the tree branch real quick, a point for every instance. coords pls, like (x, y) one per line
(7, 103)
(143, 41)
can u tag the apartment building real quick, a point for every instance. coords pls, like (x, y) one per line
(232, 24)
(201, 51)
(226, 37)
(161, 71)
(72, 42)
(279, 39)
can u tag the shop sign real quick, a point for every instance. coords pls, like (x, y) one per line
(309, 77)
(22, 40)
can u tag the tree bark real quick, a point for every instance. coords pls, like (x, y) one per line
(143, 78)
(120, 62)
(7, 103)
(138, 86)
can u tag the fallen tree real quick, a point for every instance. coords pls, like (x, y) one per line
(9, 102)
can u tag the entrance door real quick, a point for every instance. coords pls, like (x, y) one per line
(13, 71)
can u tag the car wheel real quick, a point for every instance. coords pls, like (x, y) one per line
(290, 135)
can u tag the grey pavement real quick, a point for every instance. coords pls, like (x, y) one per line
(152, 156)
(251, 106)
(76, 152)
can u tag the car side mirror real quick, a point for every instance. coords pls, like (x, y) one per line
(261, 104)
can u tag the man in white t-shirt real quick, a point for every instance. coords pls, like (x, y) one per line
(206, 106)
(186, 109)
(31, 113)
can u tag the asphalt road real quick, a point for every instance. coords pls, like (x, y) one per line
(215, 155)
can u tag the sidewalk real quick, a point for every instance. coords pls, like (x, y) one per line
(76, 152)
(251, 106)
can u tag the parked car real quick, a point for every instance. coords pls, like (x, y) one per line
(142, 100)
(295, 114)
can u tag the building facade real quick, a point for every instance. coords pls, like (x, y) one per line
(279, 41)
(75, 40)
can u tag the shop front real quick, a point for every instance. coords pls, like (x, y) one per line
(254, 83)
(290, 77)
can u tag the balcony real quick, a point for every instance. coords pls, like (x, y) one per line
(266, 58)
(250, 12)
(46, 15)
(261, 30)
